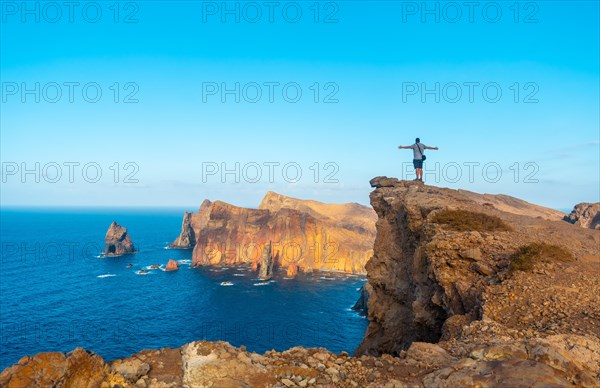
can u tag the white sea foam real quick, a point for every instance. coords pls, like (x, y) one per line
(262, 284)
(239, 274)
(108, 275)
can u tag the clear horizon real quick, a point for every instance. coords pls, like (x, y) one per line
(152, 105)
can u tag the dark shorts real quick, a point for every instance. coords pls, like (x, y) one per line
(418, 163)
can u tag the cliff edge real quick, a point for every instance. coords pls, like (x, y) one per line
(454, 268)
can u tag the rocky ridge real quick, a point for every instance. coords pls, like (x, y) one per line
(304, 235)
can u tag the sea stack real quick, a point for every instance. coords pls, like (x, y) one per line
(292, 270)
(362, 304)
(117, 241)
(187, 238)
(172, 265)
(266, 263)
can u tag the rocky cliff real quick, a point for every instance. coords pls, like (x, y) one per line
(586, 215)
(448, 264)
(305, 235)
(117, 241)
(464, 289)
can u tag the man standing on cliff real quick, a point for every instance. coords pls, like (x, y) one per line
(418, 156)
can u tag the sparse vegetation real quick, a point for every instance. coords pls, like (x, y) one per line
(526, 256)
(466, 221)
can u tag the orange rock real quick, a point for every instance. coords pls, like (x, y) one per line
(309, 234)
(117, 241)
(172, 265)
(292, 270)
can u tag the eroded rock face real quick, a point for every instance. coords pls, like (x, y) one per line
(308, 234)
(117, 241)
(586, 215)
(362, 304)
(429, 281)
(187, 237)
(266, 264)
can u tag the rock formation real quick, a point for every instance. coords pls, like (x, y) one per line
(309, 234)
(448, 307)
(362, 304)
(266, 264)
(187, 237)
(586, 215)
(172, 265)
(117, 241)
(292, 271)
(441, 270)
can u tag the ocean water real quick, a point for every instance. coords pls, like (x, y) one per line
(57, 294)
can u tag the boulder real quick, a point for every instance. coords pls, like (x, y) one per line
(172, 265)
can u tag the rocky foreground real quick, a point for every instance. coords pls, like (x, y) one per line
(463, 290)
(556, 361)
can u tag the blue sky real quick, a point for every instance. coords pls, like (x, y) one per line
(364, 59)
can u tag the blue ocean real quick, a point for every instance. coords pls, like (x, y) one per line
(56, 293)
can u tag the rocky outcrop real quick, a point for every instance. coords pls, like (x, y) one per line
(557, 361)
(172, 265)
(187, 237)
(362, 304)
(266, 264)
(117, 241)
(292, 271)
(78, 368)
(308, 234)
(190, 227)
(586, 215)
(442, 262)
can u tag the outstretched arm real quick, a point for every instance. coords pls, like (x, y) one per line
(432, 148)
(404, 147)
